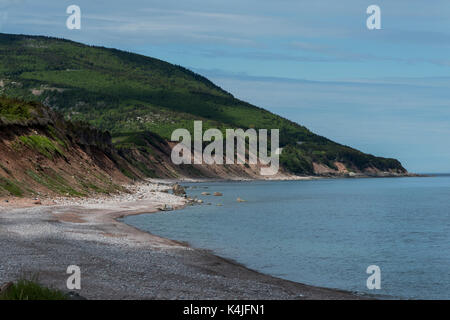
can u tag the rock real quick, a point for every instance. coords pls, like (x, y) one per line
(37, 202)
(6, 201)
(199, 201)
(206, 193)
(178, 190)
(240, 200)
(72, 295)
(218, 194)
(220, 205)
(166, 207)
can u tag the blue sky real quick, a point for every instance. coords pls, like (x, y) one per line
(384, 91)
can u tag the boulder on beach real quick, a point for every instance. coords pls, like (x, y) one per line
(218, 194)
(166, 207)
(72, 295)
(178, 190)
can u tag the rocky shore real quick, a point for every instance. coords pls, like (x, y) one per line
(118, 261)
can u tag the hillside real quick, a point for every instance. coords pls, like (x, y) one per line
(141, 100)
(42, 154)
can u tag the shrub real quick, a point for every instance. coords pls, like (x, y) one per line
(31, 290)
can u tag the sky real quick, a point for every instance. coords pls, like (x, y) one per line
(385, 92)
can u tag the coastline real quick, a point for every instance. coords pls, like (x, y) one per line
(119, 261)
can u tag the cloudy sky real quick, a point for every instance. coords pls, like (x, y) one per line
(384, 91)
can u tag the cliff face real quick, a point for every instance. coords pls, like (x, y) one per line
(40, 153)
(151, 155)
(43, 154)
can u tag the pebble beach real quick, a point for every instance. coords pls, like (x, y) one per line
(118, 261)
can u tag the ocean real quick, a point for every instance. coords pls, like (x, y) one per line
(325, 232)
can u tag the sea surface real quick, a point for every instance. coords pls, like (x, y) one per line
(325, 232)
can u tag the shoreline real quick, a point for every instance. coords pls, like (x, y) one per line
(331, 293)
(288, 178)
(209, 252)
(87, 226)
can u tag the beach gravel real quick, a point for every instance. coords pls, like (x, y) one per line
(118, 261)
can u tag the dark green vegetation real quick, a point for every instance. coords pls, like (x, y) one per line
(31, 290)
(129, 94)
(13, 110)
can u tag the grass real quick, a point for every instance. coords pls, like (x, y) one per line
(55, 183)
(31, 290)
(54, 134)
(90, 186)
(127, 173)
(5, 169)
(41, 144)
(11, 187)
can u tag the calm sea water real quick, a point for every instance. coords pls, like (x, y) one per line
(325, 232)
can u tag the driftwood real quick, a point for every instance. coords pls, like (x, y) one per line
(4, 288)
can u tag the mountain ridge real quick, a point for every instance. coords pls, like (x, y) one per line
(130, 94)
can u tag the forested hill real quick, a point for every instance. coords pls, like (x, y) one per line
(131, 96)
